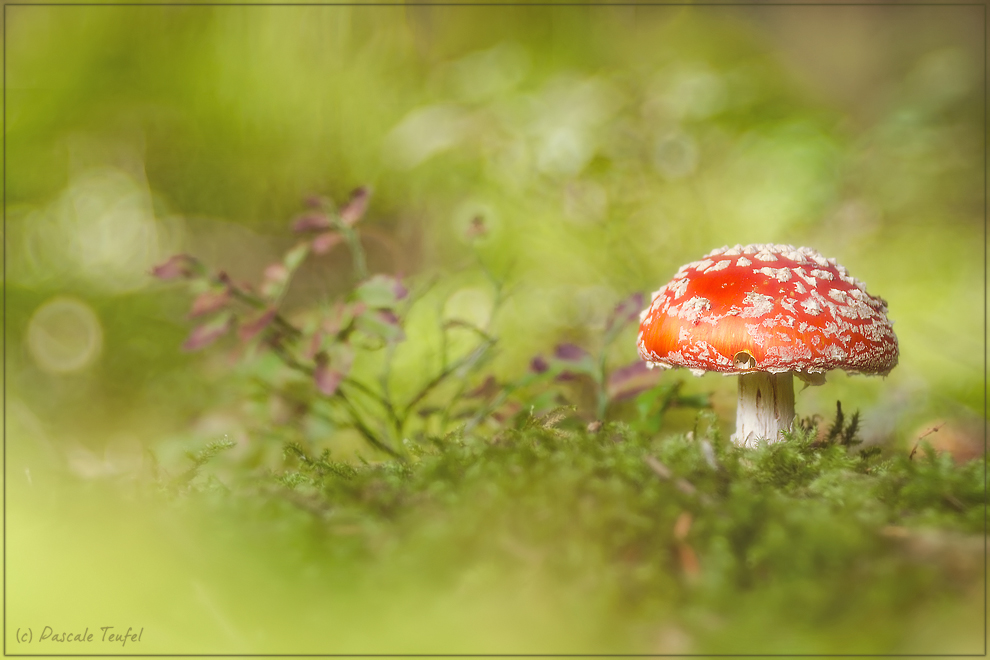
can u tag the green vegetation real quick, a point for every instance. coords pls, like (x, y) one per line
(551, 538)
(409, 417)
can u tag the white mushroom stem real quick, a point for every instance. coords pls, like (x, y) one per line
(765, 407)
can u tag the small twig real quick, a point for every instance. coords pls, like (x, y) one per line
(680, 483)
(924, 435)
(954, 502)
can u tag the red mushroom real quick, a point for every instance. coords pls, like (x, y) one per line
(767, 312)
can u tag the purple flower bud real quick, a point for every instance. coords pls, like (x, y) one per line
(180, 265)
(315, 201)
(274, 279)
(628, 372)
(207, 333)
(252, 327)
(570, 353)
(538, 365)
(486, 390)
(327, 380)
(311, 222)
(276, 273)
(477, 229)
(315, 344)
(326, 241)
(628, 381)
(209, 301)
(334, 322)
(388, 316)
(356, 206)
(626, 311)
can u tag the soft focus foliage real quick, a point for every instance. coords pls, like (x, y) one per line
(550, 539)
(414, 407)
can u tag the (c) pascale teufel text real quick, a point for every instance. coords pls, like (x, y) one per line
(103, 634)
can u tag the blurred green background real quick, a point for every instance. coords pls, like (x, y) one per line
(604, 146)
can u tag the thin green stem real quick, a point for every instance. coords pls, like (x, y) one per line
(499, 399)
(386, 397)
(602, 386)
(362, 428)
(377, 398)
(485, 333)
(443, 375)
(357, 250)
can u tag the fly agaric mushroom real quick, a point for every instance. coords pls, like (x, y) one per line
(767, 312)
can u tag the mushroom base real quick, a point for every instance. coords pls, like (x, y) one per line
(765, 407)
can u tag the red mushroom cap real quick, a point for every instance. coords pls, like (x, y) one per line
(771, 308)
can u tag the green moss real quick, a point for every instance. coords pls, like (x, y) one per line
(794, 542)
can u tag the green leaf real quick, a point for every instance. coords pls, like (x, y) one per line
(380, 324)
(295, 256)
(380, 292)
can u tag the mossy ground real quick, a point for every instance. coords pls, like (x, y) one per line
(649, 544)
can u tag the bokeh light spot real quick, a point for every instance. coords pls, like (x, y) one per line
(675, 156)
(64, 335)
(101, 230)
(423, 133)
